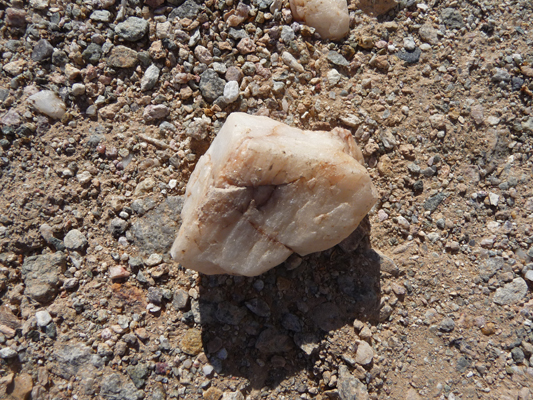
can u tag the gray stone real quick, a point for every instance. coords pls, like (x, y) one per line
(42, 50)
(309, 343)
(41, 275)
(511, 293)
(154, 296)
(349, 387)
(142, 206)
(122, 57)
(452, 18)
(230, 314)
(211, 85)
(132, 30)
(413, 168)
(101, 16)
(237, 34)
(271, 341)
(258, 307)
(447, 325)
(410, 57)
(74, 359)
(75, 240)
(462, 364)
(518, 355)
(8, 352)
(117, 226)
(529, 275)
(501, 75)
(189, 9)
(433, 202)
(291, 322)
(138, 374)
(517, 83)
(528, 125)
(490, 267)
(287, 34)
(180, 299)
(150, 78)
(156, 230)
(116, 387)
(337, 59)
(262, 4)
(92, 53)
(326, 316)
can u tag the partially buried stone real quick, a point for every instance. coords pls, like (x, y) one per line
(75, 240)
(517, 83)
(211, 85)
(48, 103)
(375, 7)
(189, 9)
(115, 386)
(150, 78)
(133, 29)
(330, 18)
(410, 57)
(122, 57)
(41, 275)
(365, 354)
(42, 50)
(192, 342)
(43, 318)
(154, 112)
(452, 18)
(231, 91)
(337, 59)
(349, 387)
(92, 53)
(511, 293)
(271, 341)
(264, 190)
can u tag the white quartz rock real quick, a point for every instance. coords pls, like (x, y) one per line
(264, 190)
(330, 18)
(48, 103)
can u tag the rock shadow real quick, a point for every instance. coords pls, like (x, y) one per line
(270, 327)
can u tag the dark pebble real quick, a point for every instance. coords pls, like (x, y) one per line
(410, 57)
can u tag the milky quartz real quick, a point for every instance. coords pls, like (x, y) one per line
(264, 190)
(330, 18)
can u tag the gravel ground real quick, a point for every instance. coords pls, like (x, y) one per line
(430, 298)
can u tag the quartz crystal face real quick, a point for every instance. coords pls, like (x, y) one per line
(264, 190)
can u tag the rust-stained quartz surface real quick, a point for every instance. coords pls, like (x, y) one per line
(264, 190)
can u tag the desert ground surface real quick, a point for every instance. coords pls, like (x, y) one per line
(430, 298)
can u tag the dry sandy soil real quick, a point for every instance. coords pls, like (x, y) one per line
(430, 298)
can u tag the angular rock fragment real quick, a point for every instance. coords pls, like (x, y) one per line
(375, 7)
(264, 190)
(330, 18)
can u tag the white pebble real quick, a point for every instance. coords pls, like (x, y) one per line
(78, 89)
(231, 91)
(48, 103)
(43, 318)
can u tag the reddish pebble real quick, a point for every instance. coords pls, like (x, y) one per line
(118, 272)
(100, 149)
(15, 17)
